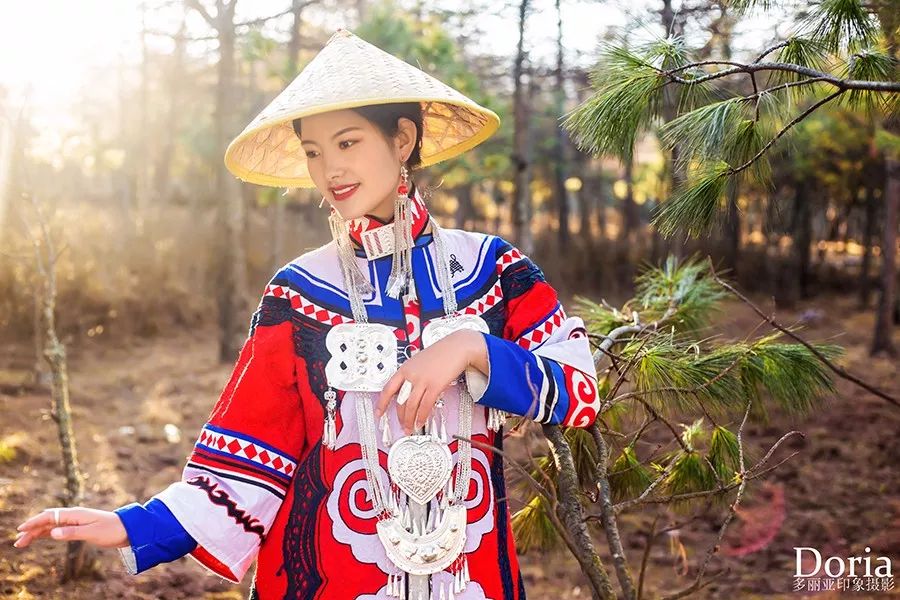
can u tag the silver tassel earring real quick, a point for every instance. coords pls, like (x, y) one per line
(352, 275)
(400, 278)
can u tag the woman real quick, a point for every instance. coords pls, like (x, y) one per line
(350, 453)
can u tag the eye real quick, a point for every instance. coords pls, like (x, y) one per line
(311, 154)
(346, 142)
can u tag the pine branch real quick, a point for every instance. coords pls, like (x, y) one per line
(839, 371)
(787, 127)
(838, 82)
(749, 474)
(696, 585)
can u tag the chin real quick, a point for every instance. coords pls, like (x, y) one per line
(348, 212)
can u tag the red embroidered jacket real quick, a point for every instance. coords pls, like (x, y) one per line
(259, 485)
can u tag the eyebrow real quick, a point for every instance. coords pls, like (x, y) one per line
(344, 130)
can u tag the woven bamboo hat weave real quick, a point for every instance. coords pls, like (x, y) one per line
(346, 73)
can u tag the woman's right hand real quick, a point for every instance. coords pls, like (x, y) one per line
(99, 527)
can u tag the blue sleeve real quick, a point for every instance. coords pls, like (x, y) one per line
(523, 383)
(541, 365)
(155, 535)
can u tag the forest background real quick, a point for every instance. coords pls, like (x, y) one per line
(113, 123)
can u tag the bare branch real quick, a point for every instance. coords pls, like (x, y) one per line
(571, 513)
(770, 50)
(197, 6)
(732, 510)
(608, 516)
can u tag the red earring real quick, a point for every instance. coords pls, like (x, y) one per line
(403, 188)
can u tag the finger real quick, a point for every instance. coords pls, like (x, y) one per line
(43, 518)
(411, 406)
(389, 391)
(37, 520)
(67, 516)
(73, 532)
(402, 404)
(426, 406)
(24, 538)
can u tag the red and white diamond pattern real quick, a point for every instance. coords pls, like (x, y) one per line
(542, 332)
(246, 449)
(305, 307)
(507, 258)
(481, 306)
(313, 310)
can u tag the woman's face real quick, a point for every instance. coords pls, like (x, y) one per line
(343, 149)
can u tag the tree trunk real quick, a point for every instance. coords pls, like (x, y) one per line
(230, 255)
(868, 238)
(676, 170)
(561, 159)
(174, 79)
(803, 237)
(629, 208)
(882, 341)
(733, 228)
(521, 207)
(464, 209)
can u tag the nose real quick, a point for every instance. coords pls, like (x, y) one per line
(334, 169)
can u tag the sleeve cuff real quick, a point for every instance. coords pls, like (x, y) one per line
(154, 534)
(128, 559)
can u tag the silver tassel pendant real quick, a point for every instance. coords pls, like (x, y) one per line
(400, 278)
(385, 430)
(329, 432)
(496, 419)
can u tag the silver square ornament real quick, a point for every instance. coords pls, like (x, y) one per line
(363, 356)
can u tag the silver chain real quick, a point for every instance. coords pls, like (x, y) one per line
(355, 284)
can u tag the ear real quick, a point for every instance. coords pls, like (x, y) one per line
(405, 139)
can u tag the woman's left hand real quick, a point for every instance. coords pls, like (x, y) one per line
(431, 371)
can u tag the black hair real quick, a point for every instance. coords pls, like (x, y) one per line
(384, 117)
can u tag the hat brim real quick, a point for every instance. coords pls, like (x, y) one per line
(240, 161)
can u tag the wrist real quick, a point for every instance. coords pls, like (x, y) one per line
(475, 349)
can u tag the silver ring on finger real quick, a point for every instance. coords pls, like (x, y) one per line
(56, 516)
(403, 394)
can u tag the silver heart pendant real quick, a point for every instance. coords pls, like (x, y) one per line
(420, 465)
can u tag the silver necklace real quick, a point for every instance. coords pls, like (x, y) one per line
(418, 541)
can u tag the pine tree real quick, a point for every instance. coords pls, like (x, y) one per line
(843, 51)
(660, 368)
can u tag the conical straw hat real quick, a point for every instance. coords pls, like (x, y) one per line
(349, 72)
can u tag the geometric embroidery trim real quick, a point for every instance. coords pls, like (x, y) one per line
(540, 334)
(507, 258)
(305, 307)
(312, 310)
(241, 448)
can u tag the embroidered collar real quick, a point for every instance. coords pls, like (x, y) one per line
(373, 237)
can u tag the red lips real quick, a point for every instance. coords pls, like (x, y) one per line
(343, 195)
